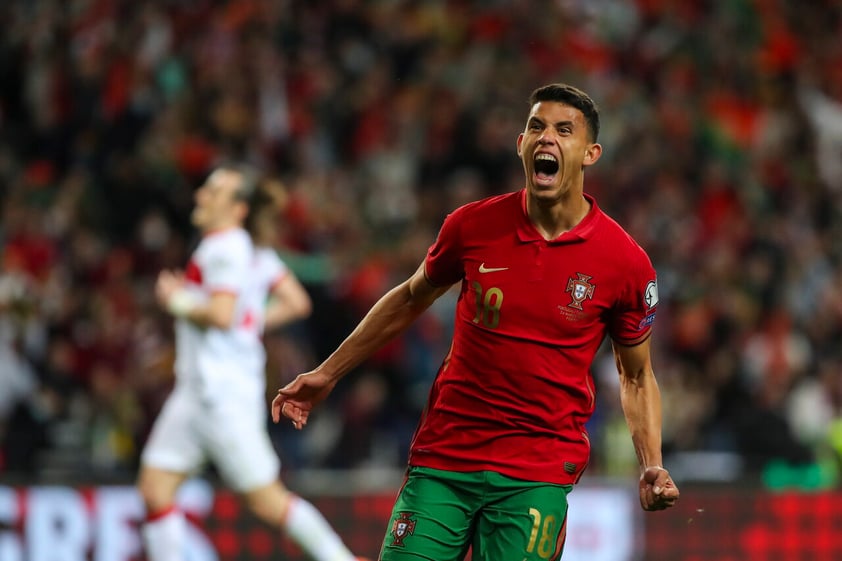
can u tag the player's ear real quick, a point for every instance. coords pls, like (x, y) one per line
(519, 142)
(592, 154)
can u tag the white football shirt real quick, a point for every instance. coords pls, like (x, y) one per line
(218, 409)
(222, 362)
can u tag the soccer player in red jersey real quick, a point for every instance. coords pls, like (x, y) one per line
(545, 275)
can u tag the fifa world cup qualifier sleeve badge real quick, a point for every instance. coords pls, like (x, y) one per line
(650, 295)
(402, 527)
(650, 298)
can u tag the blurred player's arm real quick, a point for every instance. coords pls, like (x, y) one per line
(217, 311)
(288, 302)
(641, 401)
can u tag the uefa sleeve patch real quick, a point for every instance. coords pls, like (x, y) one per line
(647, 321)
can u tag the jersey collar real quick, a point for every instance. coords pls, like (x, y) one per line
(527, 232)
(219, 231)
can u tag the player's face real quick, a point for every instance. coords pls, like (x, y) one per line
(216, 204)
(554, 149)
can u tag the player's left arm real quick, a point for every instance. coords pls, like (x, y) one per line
(289, 301)
(641, 401)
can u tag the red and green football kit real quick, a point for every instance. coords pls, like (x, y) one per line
(502, 439)
(515, 391)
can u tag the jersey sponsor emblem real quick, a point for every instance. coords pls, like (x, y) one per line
(484, 269)
(402, 527)
(650, 295)
(579, 289)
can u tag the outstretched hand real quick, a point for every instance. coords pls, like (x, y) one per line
(657, 489)
(167, 283)
(295, 400)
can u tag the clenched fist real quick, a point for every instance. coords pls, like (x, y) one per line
(657, 489)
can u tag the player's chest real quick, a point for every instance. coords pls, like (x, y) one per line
(538, 286)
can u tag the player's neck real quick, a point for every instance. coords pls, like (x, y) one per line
(218, 229)
(555, 219)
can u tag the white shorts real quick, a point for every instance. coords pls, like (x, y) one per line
(232, 435)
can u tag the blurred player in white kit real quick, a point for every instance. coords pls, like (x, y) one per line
(234, 286)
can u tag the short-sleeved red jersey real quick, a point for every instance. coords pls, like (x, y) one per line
(515, 391)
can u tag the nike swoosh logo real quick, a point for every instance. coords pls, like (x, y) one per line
(484, 269)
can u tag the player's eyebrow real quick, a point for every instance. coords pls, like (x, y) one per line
(557, 124)
(565, 124)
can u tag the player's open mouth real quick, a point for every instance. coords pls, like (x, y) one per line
(546, 166)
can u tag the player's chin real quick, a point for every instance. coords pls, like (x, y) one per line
(544, 183)
(197, 217)
(544, 194)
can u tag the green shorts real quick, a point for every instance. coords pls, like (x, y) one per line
(440, 515)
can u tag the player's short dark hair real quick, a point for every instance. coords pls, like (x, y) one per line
(574, 97)
(265, 211)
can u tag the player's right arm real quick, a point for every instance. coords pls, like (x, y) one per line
(641, 403)
(289, 302)
(388, 318)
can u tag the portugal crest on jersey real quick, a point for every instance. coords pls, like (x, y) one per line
(402, 527)
(579, 289)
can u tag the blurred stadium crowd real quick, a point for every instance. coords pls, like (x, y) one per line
(722, 128)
